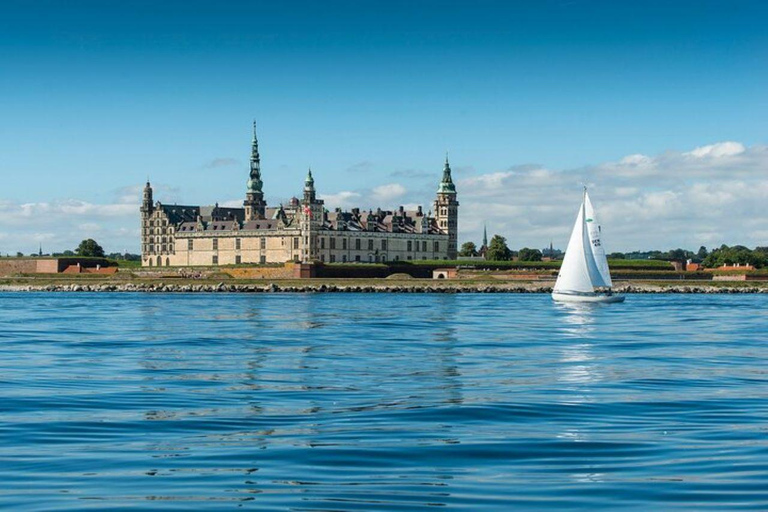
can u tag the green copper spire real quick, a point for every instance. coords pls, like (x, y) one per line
(446, 184)
(254, 182)
(309, 182)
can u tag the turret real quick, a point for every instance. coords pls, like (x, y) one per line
(254, 203)
(147, 203)
(309, 188)
(311, 219)
(447, 210)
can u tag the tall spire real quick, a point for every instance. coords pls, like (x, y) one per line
(485, 235)
(446, 184)
(254, 182)
(255, 146)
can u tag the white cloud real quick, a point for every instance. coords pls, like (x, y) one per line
(388, 192)
(343, 199)
(718, 150)
(711, 195)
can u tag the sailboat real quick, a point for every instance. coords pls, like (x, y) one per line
(584, 275)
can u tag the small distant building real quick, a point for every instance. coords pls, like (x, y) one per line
(736, 266)
(445, 273)
(690, 266)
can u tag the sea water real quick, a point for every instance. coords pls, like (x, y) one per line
(382, 402)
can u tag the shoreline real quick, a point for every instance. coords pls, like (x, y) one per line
(442, 287)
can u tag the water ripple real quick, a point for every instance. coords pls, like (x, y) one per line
(382, 402)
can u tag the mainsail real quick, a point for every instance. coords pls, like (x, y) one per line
(596, 244)
(582, 268)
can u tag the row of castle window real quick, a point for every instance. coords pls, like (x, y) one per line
(411, 245)
(371, 258)
(150, 248)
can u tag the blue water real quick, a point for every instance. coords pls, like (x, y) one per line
(382, 402)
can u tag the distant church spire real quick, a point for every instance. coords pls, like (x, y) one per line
(485, 235)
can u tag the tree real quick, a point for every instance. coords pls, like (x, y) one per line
(677, 255)
(468, 249)
(617, 256)
(498, 250)
(90, 248)
(702, 254)
(527, 254)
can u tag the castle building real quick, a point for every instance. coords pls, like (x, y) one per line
(301, 231)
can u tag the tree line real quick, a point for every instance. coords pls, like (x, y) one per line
(498, 250)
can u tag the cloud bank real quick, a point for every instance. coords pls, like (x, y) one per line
(708, 195)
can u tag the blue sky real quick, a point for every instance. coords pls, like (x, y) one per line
(95, 97)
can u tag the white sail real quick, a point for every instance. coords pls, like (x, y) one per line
(596, 245)
(574, 275)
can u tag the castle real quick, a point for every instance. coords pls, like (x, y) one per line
(302, 231)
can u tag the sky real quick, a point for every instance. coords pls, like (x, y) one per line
(659, 107)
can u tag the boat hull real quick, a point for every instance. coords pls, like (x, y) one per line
(603, 298)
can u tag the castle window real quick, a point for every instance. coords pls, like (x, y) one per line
(333, 243)
(215, 260)
(344, 258)
(357, 258)
(410, 246)
(370, 244)
(383, 245)
(333, 258)
(238, 259)
(263, 243)
(215, 244)
(416, 246)
(296, 243)
(322, 243)
(322, 258)
(344, 244)
(237, 244)
(424, 246)
(437, 247)
(409, 257)
(357, 245)
(263, 259)
(190, 244)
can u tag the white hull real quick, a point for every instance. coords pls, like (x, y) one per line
(603, 298)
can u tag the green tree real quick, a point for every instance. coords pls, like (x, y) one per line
(677, 255)
(90, 248)
(617, 256)
(527, 254)
(468, 249)
(702, 254)
(498, 250)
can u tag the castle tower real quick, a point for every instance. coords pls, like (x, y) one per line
(254, 203)
(311, 219)
(147, 208)
(447, 210)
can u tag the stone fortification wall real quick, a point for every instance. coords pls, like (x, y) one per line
(11, 266)
(284, 272)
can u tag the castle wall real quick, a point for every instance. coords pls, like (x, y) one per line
(285, 245)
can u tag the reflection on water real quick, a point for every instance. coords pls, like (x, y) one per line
(360, 402)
